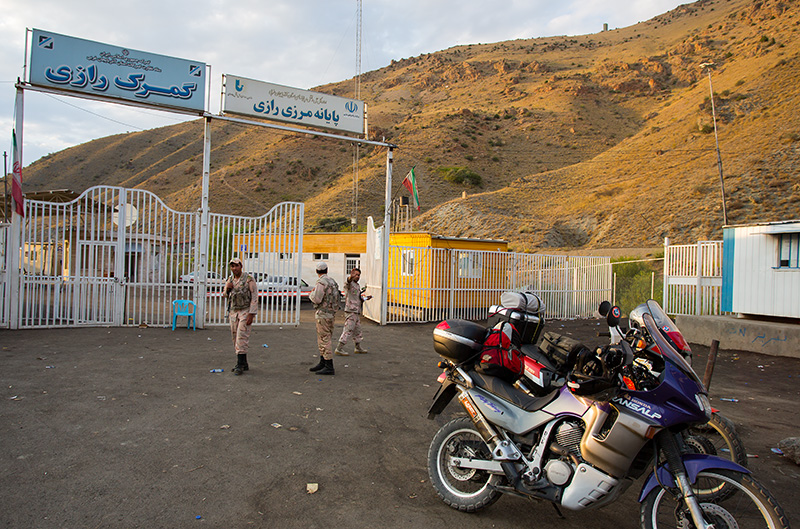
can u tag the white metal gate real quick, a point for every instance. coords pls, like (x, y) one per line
(4, 291)
(693, 278)
(432, 284)
(117, 256)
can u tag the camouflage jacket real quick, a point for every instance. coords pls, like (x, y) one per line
(325, 297)
(352, 296)
(244, 294)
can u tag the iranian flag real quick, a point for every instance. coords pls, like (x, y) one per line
(410, 182)
(16, 178)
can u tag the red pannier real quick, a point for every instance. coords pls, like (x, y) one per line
(500, 356)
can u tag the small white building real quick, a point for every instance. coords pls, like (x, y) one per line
(761, 269)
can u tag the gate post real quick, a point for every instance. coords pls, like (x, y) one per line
(386, 234)
(202, 253)
(118, 285)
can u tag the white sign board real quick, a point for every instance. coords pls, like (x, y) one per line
(292, 105)
(102, 70)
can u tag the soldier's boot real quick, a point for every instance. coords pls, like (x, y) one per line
(241, 364)
(359, 349)
(340, 349)
(318, 366)
(328, 369)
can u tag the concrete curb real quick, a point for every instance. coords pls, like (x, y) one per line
(776, 339)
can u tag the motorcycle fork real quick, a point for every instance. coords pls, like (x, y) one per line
(672, 452)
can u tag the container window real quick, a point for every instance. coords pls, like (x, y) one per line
(789, 250)
(407, 263)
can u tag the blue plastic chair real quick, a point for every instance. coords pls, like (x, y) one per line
(183, 307)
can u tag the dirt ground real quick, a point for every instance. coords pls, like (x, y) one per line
(126, 427)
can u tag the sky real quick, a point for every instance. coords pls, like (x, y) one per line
(297, 43)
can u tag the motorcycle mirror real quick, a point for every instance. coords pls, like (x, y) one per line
(604, 308)
(614, 316)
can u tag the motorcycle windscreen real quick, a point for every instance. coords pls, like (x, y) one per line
(668, 326)
(667, 351)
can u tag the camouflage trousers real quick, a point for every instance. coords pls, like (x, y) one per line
(240, 331)
(324, 333)
(352, 327)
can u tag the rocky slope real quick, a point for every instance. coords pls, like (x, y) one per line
(594, 141)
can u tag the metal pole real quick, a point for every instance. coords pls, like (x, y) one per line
(708, 65)
(387, 218)
(15, 237)
(202, 252)
(5, 186)
(712, 359)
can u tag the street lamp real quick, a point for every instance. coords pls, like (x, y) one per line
(707, 66)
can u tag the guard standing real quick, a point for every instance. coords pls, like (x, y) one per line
(353, 299)
(325, 298)
(242, 294)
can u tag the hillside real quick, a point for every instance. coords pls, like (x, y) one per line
(593, 141)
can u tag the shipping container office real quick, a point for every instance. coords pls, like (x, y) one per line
(431, 272)
(761, 269)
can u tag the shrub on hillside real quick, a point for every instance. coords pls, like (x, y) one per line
(460, 175)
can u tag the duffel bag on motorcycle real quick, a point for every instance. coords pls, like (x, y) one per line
(500, 356)
(561, 350)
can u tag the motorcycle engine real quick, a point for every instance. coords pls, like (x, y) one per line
(569, 435)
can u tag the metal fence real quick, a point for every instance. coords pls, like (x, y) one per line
(693, 278)
(432, 284)
(117, 256)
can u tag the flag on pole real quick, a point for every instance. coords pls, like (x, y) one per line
(410, 182)
(16, 178)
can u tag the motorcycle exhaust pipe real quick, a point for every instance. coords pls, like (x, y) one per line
(489, 434)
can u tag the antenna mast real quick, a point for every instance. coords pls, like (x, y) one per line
(354, 219)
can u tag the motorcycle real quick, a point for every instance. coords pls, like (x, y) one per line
(582, 445)
(718, 436)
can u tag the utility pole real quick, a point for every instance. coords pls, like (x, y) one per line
(357, 146)
(5, 186)
(707, 66)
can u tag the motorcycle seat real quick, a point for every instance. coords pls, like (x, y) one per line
(500, 388)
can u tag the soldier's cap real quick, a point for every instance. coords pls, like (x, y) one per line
(235, 260)
(322, 267)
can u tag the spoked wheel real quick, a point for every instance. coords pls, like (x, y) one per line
(465, 489)
(724, 441)
(749, 506)
(717, 438)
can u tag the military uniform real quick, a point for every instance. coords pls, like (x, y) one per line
(325, 298)
(352, 318)
(242, 301)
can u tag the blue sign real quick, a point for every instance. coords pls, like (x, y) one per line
(84, 66)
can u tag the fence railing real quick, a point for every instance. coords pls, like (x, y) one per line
(693, 278)
(432, 284)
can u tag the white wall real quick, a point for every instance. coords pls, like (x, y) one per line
(758, 286)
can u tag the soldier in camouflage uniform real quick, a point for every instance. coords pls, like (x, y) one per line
(353, 298)
(242, 294)
(325, 298)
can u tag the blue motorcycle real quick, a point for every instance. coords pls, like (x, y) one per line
(583, 444)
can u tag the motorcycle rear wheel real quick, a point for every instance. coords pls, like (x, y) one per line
(749, 507)
(467, 490)
(720, 431)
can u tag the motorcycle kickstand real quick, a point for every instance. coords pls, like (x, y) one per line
(558, 511)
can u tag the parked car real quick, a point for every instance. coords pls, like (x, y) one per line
(213, 278)
(272, 285)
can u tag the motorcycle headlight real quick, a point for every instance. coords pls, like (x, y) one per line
(704, 403)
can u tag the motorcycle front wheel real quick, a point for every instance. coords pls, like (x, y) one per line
(750, 506)
(465, 489)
